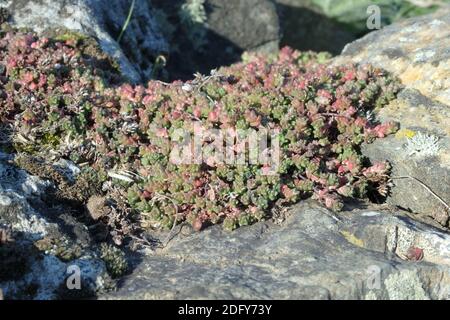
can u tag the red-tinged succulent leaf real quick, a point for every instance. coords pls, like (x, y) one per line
(414, 254)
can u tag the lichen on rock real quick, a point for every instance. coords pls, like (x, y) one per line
(416, 51)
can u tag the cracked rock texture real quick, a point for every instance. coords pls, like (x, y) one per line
(417, 51)
(311, 255)
(103, 19)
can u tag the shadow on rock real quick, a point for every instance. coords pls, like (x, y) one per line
(305, 29)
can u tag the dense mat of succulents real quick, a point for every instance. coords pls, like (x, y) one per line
(58, 98)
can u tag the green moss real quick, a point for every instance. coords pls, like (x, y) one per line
(59, 247)
(68, 35)
(50, 140)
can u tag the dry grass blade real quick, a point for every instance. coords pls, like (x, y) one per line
(426, 188)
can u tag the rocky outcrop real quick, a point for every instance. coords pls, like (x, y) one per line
(306, 252)
(191, 36)
(313, 254)
(417, 51)
(45, 246)
(103, 19)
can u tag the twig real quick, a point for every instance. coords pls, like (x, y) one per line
(335, 115)
(200, 80)
(162, 82)
(143, 241)
(427, 188)
(158, 197)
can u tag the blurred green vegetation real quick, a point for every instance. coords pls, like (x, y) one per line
(352, 13)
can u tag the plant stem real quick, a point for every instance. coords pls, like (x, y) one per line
(127, 22)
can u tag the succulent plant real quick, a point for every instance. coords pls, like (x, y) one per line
(114, 259)
(62, 97)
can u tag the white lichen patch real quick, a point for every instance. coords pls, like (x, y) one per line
(424, 56)
(5, 200)
(370, 214)
(16, 188)
(405, 285)
(436, 23)
(422, 145)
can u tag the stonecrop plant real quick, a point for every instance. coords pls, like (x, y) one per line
(58, 98)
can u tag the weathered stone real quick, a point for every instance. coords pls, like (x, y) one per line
(250, 25)
(311, 255)
(35, 265)
(418, 52)
(304, 27)
(103, 19)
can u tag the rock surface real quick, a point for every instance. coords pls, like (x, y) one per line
(418, 52)
(215, 33)
(304, 27)
(103, 19)
(250, 25)
(311, 255)
(36, 265)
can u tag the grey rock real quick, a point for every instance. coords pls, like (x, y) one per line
(305, 27)
(417, 51)
(23, 265)
(313, 254)
(215, 33)
(250, 25)
(103, 19)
